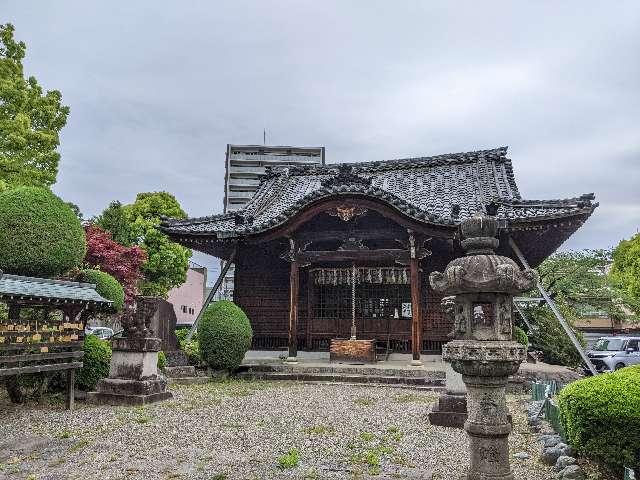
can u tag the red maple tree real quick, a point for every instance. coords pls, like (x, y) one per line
(121, 262)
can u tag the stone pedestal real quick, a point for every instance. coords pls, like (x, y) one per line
(450, 410)
(133, 376)
(485, 368)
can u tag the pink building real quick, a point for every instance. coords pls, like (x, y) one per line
(187, 299)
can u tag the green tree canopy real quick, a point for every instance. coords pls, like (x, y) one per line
(579, 284)
(625, 272)
(114, 219)
(30, 121)
(168, 262)
(137, 224)
(579, 279)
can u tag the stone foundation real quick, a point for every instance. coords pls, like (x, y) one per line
(449, 411)
(133, 374)
(356, 351)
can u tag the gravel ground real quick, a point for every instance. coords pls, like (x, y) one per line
(242, 430)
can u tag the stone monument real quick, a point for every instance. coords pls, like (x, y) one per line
(450, 410)
(483, 350)
(133, 375)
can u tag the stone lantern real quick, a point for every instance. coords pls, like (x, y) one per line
(484, 284)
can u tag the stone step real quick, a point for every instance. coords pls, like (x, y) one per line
(344, 370)
(189, 380)
(432, 383)
(182, 371)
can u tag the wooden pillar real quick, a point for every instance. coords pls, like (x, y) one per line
(294, 283)
(310, 303)
(71, 380)
(416, 302)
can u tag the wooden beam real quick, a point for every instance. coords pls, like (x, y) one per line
(294, 283)
(340, 235)
(388, 254)
(39, 356)
(71, 394)
(22, 346)
(310, 302)
(39, 368)
(416, 303)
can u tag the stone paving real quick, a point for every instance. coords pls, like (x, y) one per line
(249, 430)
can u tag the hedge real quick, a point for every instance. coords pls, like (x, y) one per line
(106, 286)
(224, 335)
(520, 336)
(601, 416)
(40, 235)
(96, 360)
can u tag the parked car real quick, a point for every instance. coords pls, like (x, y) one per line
(100, 332)
(613, 353)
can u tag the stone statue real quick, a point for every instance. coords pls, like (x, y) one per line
(137, 322)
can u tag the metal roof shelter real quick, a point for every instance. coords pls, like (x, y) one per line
(31, 290)
(42, 342)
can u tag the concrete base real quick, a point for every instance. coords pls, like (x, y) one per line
(449, 411)
(416, 363)
(291, 360)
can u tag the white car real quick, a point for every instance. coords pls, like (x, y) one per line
(100, 332)
(613, 353)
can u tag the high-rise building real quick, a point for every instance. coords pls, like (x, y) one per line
(244, 166)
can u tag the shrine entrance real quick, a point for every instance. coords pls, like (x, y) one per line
(362, 302)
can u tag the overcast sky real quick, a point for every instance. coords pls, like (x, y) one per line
(157, 89)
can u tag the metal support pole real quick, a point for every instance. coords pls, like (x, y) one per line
(554, 309)
(213, 291)
(524, 317)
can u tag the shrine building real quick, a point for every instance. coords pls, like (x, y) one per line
(339, 251)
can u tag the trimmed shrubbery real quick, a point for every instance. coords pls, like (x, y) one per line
(601, 416)
(40, 235)
(106, 286)
(224, 335)
(520, 336)
(96, 360)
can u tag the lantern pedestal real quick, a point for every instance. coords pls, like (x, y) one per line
(133, 375)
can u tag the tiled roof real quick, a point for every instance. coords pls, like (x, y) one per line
(440, 190)
(15, 286)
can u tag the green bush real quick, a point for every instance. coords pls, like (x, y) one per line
(224, 335)
(40, 235)
(191, 348)
(106, 286)
(552, 340)
(601, 416)
(162, 360)
(520, 336)
(96, 361)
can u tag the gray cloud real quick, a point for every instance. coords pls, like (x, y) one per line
(157, 89)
